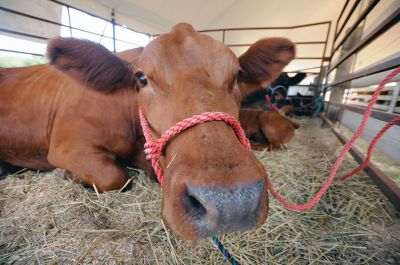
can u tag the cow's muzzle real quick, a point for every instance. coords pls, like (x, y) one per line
(232, 203)
(217, 210)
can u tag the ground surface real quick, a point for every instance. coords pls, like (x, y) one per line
(45, 219)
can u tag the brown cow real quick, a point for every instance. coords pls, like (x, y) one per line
(130, 55)
(268, 129)
(89, 124)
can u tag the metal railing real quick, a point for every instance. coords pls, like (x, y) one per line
(324, 42)
(392, 191)
(56, 23)
(378, 30)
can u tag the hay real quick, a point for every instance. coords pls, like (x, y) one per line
(47, 219)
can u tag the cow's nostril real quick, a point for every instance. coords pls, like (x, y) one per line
(193, 207)
(219, 209)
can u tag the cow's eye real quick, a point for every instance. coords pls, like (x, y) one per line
(141, 76)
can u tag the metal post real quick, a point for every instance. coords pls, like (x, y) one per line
(393, 101)
(113, 26)
(69, 22)
(325, 46)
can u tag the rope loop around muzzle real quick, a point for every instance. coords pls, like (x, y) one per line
(154, 148)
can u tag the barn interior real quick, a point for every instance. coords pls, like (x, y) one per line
(345, 48)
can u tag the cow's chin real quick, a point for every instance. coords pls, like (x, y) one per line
(194, 211)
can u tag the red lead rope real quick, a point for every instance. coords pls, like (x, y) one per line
(340, 158)
(154, 148)
(372, 147)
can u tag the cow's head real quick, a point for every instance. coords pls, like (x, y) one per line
(212, 184)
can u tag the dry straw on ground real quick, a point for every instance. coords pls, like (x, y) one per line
(46, 219)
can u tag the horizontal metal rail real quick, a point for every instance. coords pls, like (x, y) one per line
(223, 30)
(297, 43)
(94, 15)
(391, 64)
(353, 8)
(22, 34)
(312, 58)
(267, 28)
(364, 14)
(309, 68)
(57, 24)
(310, 73)
(380, 29)
(340, 17)
(30, 53)
(44, 38)
(389, 188)
(323, 58)
(376, 114)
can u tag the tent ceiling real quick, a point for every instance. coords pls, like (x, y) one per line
(158, 16)
(161, 15)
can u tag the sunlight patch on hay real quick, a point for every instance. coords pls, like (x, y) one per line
(48, 219)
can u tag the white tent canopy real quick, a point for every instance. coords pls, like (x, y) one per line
(158, 16)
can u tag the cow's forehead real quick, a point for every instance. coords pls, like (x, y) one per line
(184, 49)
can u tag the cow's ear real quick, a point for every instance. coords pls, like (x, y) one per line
(90, 63)
(263, 62)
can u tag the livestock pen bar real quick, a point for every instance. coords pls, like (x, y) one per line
(12, 30)
(228, 37)
(364, 28)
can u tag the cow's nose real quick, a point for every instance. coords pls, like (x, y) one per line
(217, 210)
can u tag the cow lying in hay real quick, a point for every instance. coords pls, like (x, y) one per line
(82, 115)
(267, 129)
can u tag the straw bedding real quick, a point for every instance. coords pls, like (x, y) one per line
(46, 219)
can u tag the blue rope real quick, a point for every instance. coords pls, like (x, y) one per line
(224, 251)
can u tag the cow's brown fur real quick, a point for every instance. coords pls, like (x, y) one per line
(100, 70)
(49, 120)
(130, 55)
(52, 120)
(267, 129)
(286, 110)
(262, 63)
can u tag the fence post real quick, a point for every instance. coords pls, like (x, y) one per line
(113, 27)
(393, 101)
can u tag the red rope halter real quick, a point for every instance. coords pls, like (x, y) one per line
(154, 148)
(270, 105)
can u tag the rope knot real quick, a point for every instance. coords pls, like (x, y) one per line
(152, 150)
